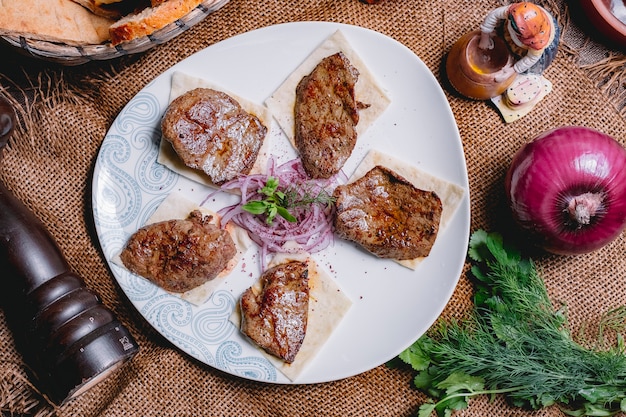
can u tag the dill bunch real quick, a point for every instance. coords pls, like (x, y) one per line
(515, 344)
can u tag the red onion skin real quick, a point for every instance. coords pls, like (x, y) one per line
(558, 165)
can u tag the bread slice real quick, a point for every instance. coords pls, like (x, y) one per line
(150, 19)
(55, 20)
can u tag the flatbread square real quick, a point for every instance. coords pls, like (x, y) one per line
(450, 194)
(175, 206)
(181, 83)
(367, 89)
(328, 305)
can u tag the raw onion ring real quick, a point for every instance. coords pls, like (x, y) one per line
(313, 229)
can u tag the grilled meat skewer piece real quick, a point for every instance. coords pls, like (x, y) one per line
(276, 318)
(179, 255)
(326, 115)
(387, 215)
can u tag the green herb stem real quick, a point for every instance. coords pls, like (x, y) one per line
(516, 344)
(280, 201)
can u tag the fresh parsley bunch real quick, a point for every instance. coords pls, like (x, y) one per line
(515, 344)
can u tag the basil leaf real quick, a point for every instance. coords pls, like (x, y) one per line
(255, 207)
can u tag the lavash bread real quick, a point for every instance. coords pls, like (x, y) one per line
(451, 194)
(150, 19)
(180, 84)
(177, 206)
(55, 20)
(367, 90)
(328, 305)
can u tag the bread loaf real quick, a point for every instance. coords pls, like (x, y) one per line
(89, 22)
(150, 19)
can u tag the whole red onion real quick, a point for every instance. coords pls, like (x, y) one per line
(567, 187)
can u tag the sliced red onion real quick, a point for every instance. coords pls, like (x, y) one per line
(313, 229)
(567, 188)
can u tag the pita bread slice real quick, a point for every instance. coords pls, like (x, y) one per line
(181, 83)
(176, 206)
(450, 194)
(328, 305)
(367, 89)
(53, 20)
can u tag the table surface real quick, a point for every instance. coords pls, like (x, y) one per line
(65, 112)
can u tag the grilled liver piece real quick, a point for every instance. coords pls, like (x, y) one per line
(179, 255)
(326, 115)
(387, 215)
(210, 131)
(276, 319)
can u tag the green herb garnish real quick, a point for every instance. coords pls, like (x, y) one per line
(516, 344)
(279, 202)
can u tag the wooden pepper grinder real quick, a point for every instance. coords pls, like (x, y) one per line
(69, 339)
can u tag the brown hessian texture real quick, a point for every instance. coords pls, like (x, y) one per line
(65, 112)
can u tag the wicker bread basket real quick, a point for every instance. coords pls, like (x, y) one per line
(67, 54)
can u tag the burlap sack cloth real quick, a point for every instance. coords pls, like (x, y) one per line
(65, 112)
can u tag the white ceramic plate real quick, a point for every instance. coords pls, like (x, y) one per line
(392, 305)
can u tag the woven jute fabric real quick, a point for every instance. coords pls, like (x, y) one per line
(65, 112)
